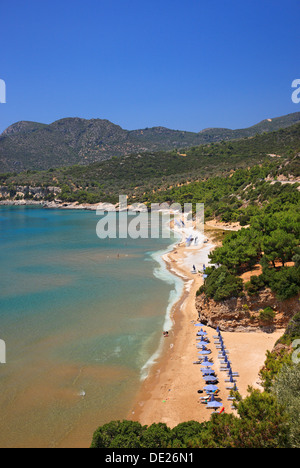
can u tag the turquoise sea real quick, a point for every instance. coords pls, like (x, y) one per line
(81, 318)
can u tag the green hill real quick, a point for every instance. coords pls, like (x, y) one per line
(141, 175)
(36, 146)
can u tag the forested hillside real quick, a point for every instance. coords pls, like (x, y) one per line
(167, 176)
(36, 146)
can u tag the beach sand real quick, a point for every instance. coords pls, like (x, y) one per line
(170, 392)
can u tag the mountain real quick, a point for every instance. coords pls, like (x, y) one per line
(71, 141)
(141, 175)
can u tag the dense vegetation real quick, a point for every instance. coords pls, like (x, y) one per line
(31, 145)
(272, 240)
(169, 176)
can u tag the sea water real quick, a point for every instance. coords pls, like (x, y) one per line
(82, 319)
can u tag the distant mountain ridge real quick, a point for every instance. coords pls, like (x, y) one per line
(66, 142)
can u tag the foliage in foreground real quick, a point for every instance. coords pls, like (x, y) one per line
(286, 388)
(261, 423)
(268, 419)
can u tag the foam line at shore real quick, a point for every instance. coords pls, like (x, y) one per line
(161, 272)
(171, 276)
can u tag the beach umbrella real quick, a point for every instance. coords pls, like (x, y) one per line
(206, 365)
(222, 356)
(203, 349)
(207, 371)
(201, 344)
(204, 353)
(211, 388)
(213, 403)
(210, 378)
(207, 362)
(226, 362)
(202, 333)
(199, 325)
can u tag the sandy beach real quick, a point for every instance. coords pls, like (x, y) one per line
(170, 392)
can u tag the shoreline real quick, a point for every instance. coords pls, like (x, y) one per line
(168, 348)
(59, 206)
(170, 392)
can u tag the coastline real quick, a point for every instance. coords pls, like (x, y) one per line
(169, 394)
(59, 206)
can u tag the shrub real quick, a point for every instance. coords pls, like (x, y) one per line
(186, 431)
(267, 315)
(285, 283)
(157, 436)
(287, 390)
(221, 285)
(273, 365)
(292, 331)
(255, 285)
(117, 434)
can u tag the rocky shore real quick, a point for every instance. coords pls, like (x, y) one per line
(244, 313)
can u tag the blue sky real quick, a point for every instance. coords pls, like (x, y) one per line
(186, 65)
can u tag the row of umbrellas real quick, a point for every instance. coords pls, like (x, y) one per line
(208, 373)
(225, 362)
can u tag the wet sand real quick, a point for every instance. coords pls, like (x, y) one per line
(170, 393)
